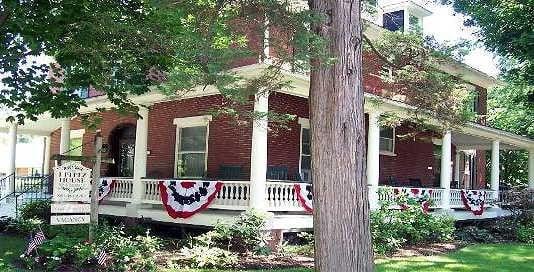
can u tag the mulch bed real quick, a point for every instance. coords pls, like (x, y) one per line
(285, 261)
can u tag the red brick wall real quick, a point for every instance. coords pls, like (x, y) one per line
(228, 143)
(284, 144)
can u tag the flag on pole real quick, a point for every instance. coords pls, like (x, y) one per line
(102, 258)
(35, 241)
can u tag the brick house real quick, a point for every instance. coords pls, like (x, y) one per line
(178, 139)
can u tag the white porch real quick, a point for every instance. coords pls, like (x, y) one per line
(280, 200)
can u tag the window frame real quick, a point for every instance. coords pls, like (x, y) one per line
(393, 145)
(187, 122)
(304, 124)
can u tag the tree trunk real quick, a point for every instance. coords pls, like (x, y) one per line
(341, 206)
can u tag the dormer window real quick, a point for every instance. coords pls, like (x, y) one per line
(402, 15)
(394, 21)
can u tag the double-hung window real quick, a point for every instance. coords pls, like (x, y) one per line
(76, 142)
(387, 140)
(191, 146)
(305, 149)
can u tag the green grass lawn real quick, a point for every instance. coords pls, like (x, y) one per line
(11, 247)
(478, 258)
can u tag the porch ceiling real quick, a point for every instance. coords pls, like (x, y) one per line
(43, 126)
(467, 142)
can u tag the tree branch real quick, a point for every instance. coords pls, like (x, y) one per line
(378, 53)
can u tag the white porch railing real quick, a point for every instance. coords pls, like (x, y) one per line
(122, 190)
(436, 196)
(279, 196)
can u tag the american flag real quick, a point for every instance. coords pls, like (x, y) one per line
(35, 241)
(102, 257)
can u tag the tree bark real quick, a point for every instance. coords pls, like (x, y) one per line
(341, 206)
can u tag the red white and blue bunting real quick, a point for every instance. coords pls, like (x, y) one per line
(421, 196)
(183, 199)
(474, 201)
(105, 187)
(304, 194)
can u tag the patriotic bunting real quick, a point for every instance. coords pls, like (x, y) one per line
(183, 199)
(34, 242)
(421, 196)
(474, 201)
(304, 194)
(104, 188)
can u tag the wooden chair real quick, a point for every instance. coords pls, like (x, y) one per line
(277, 172)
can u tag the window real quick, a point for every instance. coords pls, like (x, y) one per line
(191, 146)
(387, 139)
(76, 142)
(305, 149)
(415, 24)
(394, 20)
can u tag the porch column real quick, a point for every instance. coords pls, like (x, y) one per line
(446, 170)
(65, 136)
(531, 169)
(46, 159)
(373, 158)
(258, 154)
(495, 166)
(12, 153)
(457, 158)
(140, 155)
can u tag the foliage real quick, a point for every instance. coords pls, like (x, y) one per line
(506, 28)
(473, 234)
(174, 46)
(208, 257)
(392, 229)
(25, 226)
(37, 209)
(510, 108)
(5, 222)
(414, 77)
(525, 233)
(305, 248)
(128, 253)
(5, 266)
(244, 234)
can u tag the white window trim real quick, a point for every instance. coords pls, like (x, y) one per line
(387, 152)
(77, 133)
(304, 124)
(185, 122)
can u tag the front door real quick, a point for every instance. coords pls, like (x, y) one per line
(126, 157)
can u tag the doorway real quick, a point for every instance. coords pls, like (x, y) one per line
(122, 150)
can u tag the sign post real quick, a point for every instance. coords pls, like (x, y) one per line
(94, 188)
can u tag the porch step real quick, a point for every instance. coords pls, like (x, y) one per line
(7, 207)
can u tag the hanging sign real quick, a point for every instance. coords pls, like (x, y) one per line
(71, 195)
(72, 182)
(72, 219)
(70, 208)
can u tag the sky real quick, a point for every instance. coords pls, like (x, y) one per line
(444, 25)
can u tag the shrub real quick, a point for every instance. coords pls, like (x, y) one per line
(392, 229)
(525, 233)
(208, 257)
(245, 234)
(473, 234)
(38, 209)
(128, 253)
(25, 226)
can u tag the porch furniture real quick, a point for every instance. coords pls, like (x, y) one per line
(230, 172)
(415, 182)
(277, 172)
